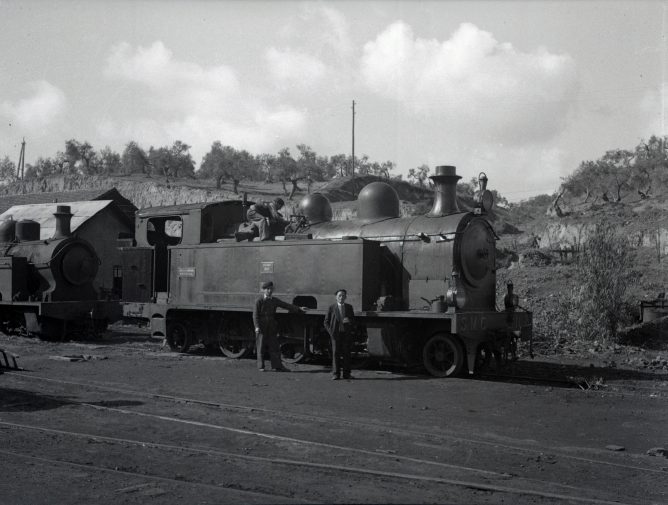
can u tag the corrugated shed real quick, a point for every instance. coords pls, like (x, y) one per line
(43, 214)
(125, 206)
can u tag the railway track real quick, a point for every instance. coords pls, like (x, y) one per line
(355, 424)
(373, 463)
(232, 494)
(575, 494)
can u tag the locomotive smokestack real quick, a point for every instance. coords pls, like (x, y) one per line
(445, 191)
(63, 218)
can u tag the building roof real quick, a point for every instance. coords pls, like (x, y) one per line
(43, 214)
(125, 206)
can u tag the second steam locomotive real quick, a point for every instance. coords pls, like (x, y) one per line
(46, 286)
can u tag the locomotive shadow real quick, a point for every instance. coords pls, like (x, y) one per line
(19, 400)
(124, 337)
(567, 375)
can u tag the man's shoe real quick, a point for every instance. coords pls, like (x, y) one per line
(348, 377)
(335, 377)
(261, 369)
(282, 369)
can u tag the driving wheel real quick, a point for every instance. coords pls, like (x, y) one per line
(442, 356)
(178, 337)
(234, 337)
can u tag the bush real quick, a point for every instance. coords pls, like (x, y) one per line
(596, 305)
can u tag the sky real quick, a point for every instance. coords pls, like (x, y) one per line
(523, 91)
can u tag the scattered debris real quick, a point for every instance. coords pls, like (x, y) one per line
(613, 447)
(658, 451)
(585, 383)
(77, 357)
(534, 258)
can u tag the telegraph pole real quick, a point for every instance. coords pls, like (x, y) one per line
(353, 160)
(20, 169)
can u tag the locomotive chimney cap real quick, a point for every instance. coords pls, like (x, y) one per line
(446, 170)
(63, 209)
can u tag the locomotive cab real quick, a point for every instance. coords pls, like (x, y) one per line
(146, 266)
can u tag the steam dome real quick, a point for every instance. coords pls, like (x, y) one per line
(316, 208)
(378, 200)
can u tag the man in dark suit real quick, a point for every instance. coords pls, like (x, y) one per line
(338, 323)
(266, 327)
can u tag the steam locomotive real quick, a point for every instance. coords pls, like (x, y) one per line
(423, 288)
(46, 286)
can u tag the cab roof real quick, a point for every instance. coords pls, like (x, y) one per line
(186, 208)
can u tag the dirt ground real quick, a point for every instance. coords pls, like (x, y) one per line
(122, 420)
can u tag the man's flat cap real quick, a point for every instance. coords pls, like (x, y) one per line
(267, 284)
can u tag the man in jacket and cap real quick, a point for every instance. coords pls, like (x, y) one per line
(266, 327)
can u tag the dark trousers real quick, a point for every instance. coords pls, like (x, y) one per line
(269, 340)
(341, 354)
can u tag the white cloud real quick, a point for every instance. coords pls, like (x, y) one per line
(519, 172)
(477, 83)
(291, 69)
(654, 108)
(317, 48)
(39, 109)
(194, 103)
(322, 30)
(173, 84)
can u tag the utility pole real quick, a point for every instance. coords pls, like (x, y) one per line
(20, 169)
(353, 160)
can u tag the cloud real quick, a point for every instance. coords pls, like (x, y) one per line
(477, 83)
(653, 108)
(176, 85)
(519, 172)
(321, 29)
(316, 48)
(194, 103)
(39, 109)
(290, 69)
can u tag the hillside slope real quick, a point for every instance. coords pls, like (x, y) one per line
(151, 192)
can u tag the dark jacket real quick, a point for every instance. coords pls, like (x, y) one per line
(264, 312)
(333, 321)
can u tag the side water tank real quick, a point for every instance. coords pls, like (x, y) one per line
(27, 230)
(7, 229)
